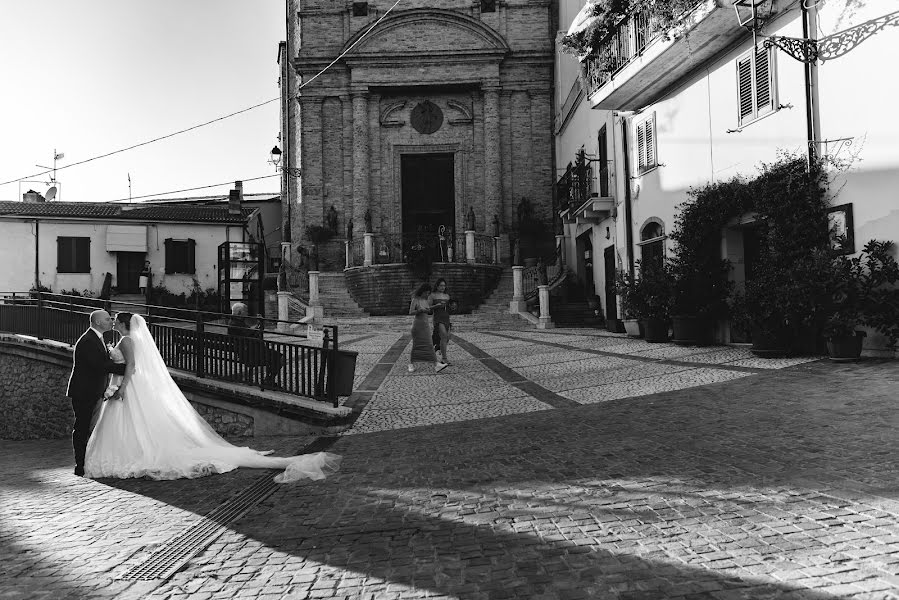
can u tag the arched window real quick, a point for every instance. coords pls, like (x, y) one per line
(652, 241)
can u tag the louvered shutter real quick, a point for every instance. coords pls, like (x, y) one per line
(191, 257)
(763, 84)
(744, 88)
(641, 146)
(169, 258)
(649, 136)
(82, 254)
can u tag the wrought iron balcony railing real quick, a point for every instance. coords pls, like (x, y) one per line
(630, 39)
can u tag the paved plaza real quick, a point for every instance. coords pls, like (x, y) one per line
(558, 464)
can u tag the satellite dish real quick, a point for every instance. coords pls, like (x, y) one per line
(51, 194)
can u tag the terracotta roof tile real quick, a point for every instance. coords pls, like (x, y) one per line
(125, 212)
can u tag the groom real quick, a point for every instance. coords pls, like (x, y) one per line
(88, 380)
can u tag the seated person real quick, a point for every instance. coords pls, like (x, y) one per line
(249, 347)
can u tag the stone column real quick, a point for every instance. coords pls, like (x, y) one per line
(469, 246)
(545, 322)
(560, 249)
(283, 310)
(315, 306)
(360, 159)
(517, 304)
(369, 249)
(493, 187)
(347, 250)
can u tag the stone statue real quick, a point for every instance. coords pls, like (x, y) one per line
(349, 230)
(469, 219)
(495, 225)
(367, 219)
(331, 219)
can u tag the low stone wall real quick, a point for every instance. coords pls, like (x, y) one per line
(386, 289)
(33, 403)
(226, 422)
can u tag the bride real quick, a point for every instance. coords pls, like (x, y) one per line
(147, 428)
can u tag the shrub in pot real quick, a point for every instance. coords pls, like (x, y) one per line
(633, 303)
(655, 284)
(862, 292)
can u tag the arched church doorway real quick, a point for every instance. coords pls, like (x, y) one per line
(428, 193)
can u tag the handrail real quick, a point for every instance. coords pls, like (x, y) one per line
(192, 340)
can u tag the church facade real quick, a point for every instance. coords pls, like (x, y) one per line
(440, 112)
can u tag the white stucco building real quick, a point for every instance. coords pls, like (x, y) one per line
(73, 245)
(714, 101)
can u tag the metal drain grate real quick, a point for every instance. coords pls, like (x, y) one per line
(169, 558)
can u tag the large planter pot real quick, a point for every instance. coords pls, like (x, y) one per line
(769, 342)
(633, 327)
(615, 325)
(690, 330)
(846, 348)
(655, 330)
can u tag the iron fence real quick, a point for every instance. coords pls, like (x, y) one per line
(357, 251)
(629, 40)
(187, 340)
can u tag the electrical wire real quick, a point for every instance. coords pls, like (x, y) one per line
(202, 187)
(216, 120)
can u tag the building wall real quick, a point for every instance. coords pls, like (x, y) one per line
(18, 248)
(329, 116)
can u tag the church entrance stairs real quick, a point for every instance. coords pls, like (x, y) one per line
(498, 301)
(335, 298)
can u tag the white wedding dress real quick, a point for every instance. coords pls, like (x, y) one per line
(154, 432)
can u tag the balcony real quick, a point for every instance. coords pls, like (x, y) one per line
(637, 64)
(576, 200)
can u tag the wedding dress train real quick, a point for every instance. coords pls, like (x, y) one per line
(154, 431)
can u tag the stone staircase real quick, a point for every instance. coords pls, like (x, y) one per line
(335, 298)
(499, 299)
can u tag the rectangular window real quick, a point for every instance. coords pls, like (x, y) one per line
(756, 85)
(180, 256)
(646, 144)
(488, 6)
(360, 9)
(73, 255)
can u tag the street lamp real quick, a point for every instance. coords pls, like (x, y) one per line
(748, 11)
(275, 156)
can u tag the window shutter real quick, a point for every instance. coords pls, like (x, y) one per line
(641, 147)
(169, 259)
(60, 254)
(744, 87)
(191, 257)
(650, 135)
(82, 254)
(764, 98)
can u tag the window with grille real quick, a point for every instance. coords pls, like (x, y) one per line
(646, 144)
(180, 256)
(652, 244)
(756, 85)
(73, 255)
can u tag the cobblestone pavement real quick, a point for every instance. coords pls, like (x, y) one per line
(548, 465)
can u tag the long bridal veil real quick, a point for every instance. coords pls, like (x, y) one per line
(170, 440)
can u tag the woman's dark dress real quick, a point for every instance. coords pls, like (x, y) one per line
(422, 349)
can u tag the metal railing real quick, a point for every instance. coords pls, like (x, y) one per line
(357, 251)
(629, 40)
(541, 274)
(195, 341)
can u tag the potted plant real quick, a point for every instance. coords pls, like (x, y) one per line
(655, 285)
(633, 305)
(862, 293)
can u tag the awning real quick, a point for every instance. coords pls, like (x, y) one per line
(126, 238)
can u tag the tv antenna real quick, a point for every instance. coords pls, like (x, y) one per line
(56, 156)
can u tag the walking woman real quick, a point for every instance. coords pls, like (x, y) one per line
(440, 301)
(422, 347)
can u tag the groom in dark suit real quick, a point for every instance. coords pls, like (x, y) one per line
(88, 380)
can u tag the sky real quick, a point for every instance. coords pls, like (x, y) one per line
(88, 77)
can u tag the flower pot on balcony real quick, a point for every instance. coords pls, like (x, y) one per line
(692, 330)
(655, 330)
(633, 327)
(846, 348)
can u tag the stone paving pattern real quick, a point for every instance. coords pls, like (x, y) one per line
(673, 472)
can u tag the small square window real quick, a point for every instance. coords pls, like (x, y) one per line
(73, 255)
(360, 9)
(488, 6)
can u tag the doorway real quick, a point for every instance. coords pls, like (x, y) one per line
(609, 270)
(585, 263)
(428, 193)
(128, 268)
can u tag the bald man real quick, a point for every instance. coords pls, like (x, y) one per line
(91, 366)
